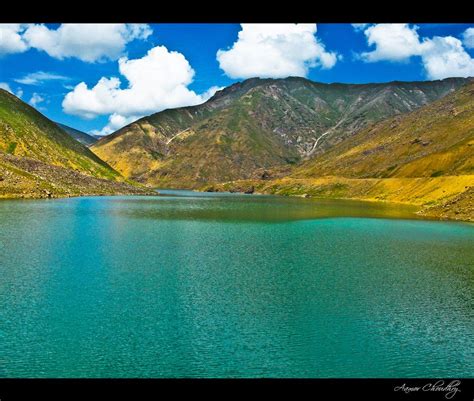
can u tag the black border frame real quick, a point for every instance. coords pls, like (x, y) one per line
(224, 12)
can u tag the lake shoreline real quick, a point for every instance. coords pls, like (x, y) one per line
(425, 193)
(68, 196)
(423, 212)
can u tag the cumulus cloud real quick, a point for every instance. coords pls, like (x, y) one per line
(11, 40)
(394, 42)
(445, 57)
(441, 57)
(87, 42)
(157, 81)
(39, 77)
(36, 99)
(275, 51)
(468, 38)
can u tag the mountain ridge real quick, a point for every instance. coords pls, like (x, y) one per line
(78, 135)
(254, 124)
(425, 157)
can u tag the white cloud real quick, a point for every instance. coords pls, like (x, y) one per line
(441, 57)
(11, 40)
(39, 77)
(275, 51)
(157, 81)
(5, 86)
(445, 57)
(87, 42)
(19, 93)
(36, 99)
(468, 38)
(393, 42)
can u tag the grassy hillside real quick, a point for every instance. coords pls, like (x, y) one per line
(256, 124)
(25, 132)
(38, 159)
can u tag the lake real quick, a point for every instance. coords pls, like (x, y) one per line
(219, 285)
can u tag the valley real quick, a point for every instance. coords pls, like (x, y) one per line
(403, 142)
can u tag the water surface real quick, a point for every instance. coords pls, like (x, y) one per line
(216, 285)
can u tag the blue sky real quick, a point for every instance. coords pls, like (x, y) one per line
(57, 68)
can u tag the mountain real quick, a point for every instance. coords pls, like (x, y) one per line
(27, 133)
(37, 158)
(256, 124)
(80, 136)
(435, 140)
(425, 157)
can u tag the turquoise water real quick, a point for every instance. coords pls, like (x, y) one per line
(232, 286)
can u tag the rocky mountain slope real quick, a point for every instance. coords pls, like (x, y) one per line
(435, 140)
(37, 156)
(22, 177)
(425, 157)
(256, 124)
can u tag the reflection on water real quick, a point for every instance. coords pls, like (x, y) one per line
(207, 285)
(190, 205)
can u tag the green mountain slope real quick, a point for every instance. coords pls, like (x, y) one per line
(256, 124)
(79, 136)
(38, 159)
(25, 132)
